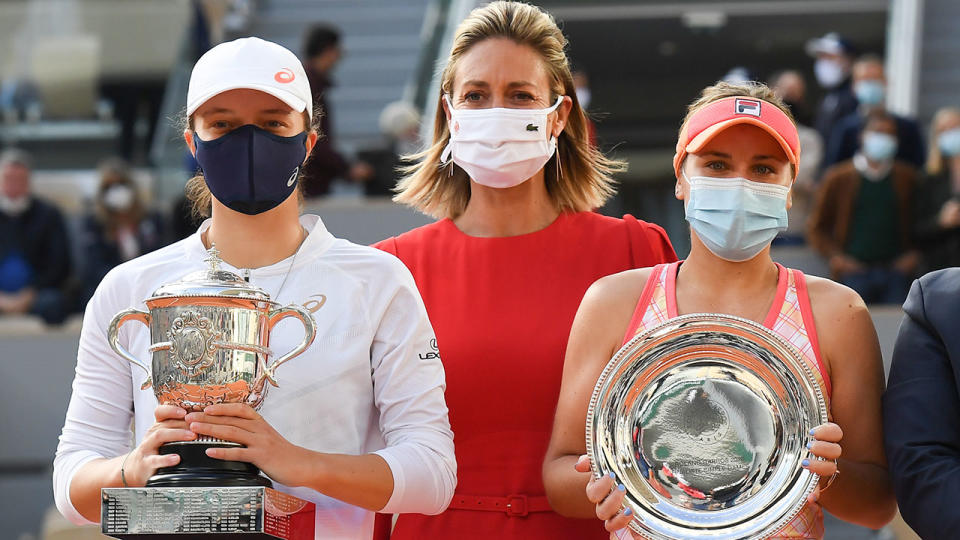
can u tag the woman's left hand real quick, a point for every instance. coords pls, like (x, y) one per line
(264, 447)
(824, 444)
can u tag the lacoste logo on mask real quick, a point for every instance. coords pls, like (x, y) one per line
(532, 127)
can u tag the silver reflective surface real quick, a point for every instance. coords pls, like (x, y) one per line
(705, 420)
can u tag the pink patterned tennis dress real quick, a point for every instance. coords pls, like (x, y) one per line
(790, 316)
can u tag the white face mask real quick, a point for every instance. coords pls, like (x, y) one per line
(118, 198)
(14, 207)
(829, 73)
(500, 147)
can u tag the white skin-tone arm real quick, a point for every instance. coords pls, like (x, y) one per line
(595, 336)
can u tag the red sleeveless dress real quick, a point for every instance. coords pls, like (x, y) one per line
(502, 310)
(790, 316)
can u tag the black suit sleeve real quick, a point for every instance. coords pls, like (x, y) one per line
(921, 412)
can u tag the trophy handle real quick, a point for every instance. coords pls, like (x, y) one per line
(310, 332)
(113, 335)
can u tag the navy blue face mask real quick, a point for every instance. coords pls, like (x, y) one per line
(251, 170)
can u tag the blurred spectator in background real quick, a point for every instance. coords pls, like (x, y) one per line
(34, 249)
(834, 56)
(862, 218)
(322, 52)
(870, 89)
(400, 126)
(790, 86)
(119, 228)
(938, 194)
(581, 84)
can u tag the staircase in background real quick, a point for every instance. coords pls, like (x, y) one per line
(381, 40)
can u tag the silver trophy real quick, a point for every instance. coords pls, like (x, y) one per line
(209, 335)
(705, 421)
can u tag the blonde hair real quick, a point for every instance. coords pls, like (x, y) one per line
(584, 180)
(723, 90)
(196, 190)
(934, 165)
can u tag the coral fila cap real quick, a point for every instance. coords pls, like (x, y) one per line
(711, 119)
(250, 63)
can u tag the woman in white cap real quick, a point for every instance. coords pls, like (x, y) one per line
(358, 422)
(735, 161)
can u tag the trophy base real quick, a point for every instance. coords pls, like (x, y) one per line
(197, 469)
(205, 512)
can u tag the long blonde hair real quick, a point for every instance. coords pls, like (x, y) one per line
(584, 180)
(934, 165)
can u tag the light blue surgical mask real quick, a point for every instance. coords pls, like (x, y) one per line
(734, 217)
(949, 142)
(870, 92)
(879, 146)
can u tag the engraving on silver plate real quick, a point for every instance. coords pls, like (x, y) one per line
(704, 419)
(193, 340)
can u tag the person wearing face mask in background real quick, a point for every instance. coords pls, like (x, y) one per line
(790, 87)
(34, 246)
(938, 194)
(870, 88)
(736, 158)
(862, 222)
(513, 179)
(833, 57)
(118, 229)
(357, 422)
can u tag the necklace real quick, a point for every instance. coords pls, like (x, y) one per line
(293, 260)
(303, 237)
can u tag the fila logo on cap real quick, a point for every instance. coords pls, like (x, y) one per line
(747, 106)
(285, 75)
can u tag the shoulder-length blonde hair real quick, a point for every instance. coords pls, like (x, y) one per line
(584, 179)
(934, 165)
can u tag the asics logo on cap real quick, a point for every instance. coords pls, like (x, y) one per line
(747, 106)
(284, 76)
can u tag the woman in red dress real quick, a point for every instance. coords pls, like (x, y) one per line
(512, 177)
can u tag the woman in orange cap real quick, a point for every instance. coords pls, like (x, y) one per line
(735, 162)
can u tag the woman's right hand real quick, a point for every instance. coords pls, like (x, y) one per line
(144, 460)
(608, 495)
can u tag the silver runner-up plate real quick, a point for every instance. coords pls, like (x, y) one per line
(705, 420)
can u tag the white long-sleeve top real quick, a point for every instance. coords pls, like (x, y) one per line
(366, 384)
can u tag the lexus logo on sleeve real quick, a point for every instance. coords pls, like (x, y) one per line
(433, 354)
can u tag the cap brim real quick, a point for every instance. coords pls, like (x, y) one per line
(289, 98)
(705, 136)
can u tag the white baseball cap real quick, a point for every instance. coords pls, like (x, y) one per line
(250, 63)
